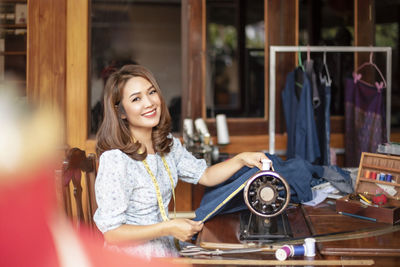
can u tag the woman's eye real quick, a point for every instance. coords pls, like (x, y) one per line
(135, 99)
(154, 91)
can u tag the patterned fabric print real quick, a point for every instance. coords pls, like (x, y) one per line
(125, 193)
(365, 120)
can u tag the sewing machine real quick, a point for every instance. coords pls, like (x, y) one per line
(266, 194)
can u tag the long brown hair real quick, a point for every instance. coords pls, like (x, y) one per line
(114, 131)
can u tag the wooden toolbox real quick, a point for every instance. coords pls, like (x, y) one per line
(377, 174)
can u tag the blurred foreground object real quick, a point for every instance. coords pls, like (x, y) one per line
(29, 135)
(33, 231)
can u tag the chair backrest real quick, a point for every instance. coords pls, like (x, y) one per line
(77, 183)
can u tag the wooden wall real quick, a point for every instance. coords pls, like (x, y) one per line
(46, 57)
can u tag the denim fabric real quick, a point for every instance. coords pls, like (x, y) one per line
(322, 119)
(214, 196)
(300, 175)
(299, 116)
(339, 178)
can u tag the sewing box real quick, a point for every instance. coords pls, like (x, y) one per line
(377, 174)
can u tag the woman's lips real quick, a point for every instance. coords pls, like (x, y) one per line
(150, 113)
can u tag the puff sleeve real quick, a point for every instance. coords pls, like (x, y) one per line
(112, 193)
(189, 168)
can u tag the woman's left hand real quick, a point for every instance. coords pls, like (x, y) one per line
(252, 159)
(220, 172)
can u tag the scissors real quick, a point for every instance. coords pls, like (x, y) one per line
(192, 250)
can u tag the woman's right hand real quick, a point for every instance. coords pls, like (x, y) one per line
(183, 229)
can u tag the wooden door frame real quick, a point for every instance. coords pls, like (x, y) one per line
(77, 68)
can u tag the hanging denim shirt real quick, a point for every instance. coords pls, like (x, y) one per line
(299, 116)
(322, 119)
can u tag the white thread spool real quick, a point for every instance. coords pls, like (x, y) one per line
(188, 127)
(201, 126)
(222, 129)
(266, 164)
(309, 244)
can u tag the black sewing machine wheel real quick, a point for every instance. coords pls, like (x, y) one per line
(266, 194)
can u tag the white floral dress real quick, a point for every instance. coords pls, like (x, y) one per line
(125, 193)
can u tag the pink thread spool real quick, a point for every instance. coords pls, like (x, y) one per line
(289, 251)
(307, 249)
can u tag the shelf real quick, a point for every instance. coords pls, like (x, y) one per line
(14, 1)
(12, 81)
(381, 168)
(379, 182)
(12, 26)
(13, 50)
(13, 53)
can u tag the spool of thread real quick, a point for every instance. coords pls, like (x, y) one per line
(373, 175)
(309, 244)
(201, 126)
(367, 174)
(388, 177)
(266, 164)
(188, 127)
(222, 129)
(382, 176)
(289, 251)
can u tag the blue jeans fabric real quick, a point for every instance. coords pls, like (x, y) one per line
(299, 117)
(299, 173)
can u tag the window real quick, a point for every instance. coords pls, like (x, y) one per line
(135, 32)
(235, 58)
(330, 23)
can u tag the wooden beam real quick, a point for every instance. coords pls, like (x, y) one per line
(46, 57)
(364, 31)
(77, 73)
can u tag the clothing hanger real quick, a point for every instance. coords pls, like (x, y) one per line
(300, 65)
(357, 76)
(300, 62)
(326, 79)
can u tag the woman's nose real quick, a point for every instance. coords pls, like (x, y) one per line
(147, 101)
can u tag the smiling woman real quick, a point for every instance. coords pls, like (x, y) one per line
(139, 167)
(130, 94)
(141, 107)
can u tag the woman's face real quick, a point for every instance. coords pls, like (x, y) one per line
(142, 104)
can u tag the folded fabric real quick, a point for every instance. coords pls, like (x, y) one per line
(299, 173)
(339, 178)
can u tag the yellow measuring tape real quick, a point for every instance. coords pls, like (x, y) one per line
(158, 193)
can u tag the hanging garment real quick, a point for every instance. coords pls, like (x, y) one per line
(299, 173)
(299, 116)
(364, 119)
(322, 119)
(309, 66)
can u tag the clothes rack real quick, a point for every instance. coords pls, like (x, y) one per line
(341, 49)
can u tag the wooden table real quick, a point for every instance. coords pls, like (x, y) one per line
(320, 221)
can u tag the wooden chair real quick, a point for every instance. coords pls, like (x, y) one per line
(77, 186)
